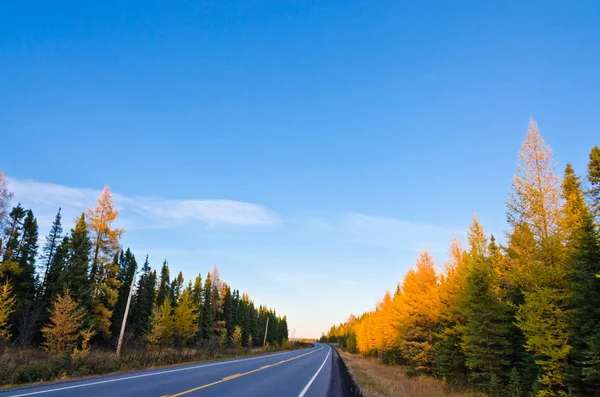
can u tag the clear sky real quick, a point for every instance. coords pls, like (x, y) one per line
(308, 149)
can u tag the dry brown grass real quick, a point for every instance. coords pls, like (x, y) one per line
(378, 380)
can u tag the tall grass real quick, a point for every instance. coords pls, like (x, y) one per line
(28, 365)
(379, 380)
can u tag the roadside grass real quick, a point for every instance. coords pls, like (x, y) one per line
(26, 366)
(379, 380)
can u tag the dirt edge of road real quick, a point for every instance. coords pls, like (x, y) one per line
(342, 384)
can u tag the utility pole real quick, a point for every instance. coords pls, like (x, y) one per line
(125, 316)
(266, 329)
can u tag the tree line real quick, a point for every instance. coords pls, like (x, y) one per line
(517, 319)
(72, 294)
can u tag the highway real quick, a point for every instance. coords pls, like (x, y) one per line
(299, 373)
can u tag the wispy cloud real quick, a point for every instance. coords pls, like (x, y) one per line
(296, 277)
(394, 232)
(144, 212)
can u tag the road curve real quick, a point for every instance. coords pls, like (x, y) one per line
(299, 373)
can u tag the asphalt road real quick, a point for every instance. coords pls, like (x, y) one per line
(300, 373)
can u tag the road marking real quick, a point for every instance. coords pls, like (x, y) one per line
(225, 379)
(146, 375)
(303, 392)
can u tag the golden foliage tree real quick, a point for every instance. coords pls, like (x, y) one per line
(103, 271)
(7, 307)
(185, 318)
(418, 308)
(537, 261)
(162, 329)
(62, 332)
(236, 337)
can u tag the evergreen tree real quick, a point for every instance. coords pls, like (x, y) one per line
(228, 311)
(143, 302)
(583, 245)
(13, 232)
(164, 290)
(485, 337)
(56, 279)
(48, 251)
(26, 253)
(27, 314)
(207, 312)
(127, 268)
(197, 297)
(176, 287)
(594, 179)
(76, 271)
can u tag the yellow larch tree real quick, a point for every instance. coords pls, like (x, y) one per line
(103, 271)
(161, 332)
(7, 307)
(185, 318)
(536, 259)
(418, 308)
(450, 358)
(62, 333)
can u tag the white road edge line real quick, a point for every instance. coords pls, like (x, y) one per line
(146, 375)
(303, 392)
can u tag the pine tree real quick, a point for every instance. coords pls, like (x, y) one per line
(127, 269)
(27, 313)
(26, 253)
(207, 312)
(594, 179)
(143, 302)
(164, 290)
(197, 296)
(62, 333)
(76, 271)
(485, 338)
(48, 251)
(7, 307)
(13, 232)
(583, 245)
(185, 319)
(176, 287)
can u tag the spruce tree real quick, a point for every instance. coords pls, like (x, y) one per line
(207, 312)
(76, 271)
(127, 268)
(485, 338)
(13, 232)
(143, 301)
(164, 288)
(583, 245)
(594, 179)
(48, 251)
(26, 253)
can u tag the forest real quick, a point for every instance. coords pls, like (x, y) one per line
(67, 299)
(517, 318)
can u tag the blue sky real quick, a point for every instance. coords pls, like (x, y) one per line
(308, 150)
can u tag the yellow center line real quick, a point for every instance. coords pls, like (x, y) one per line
(225, 379)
